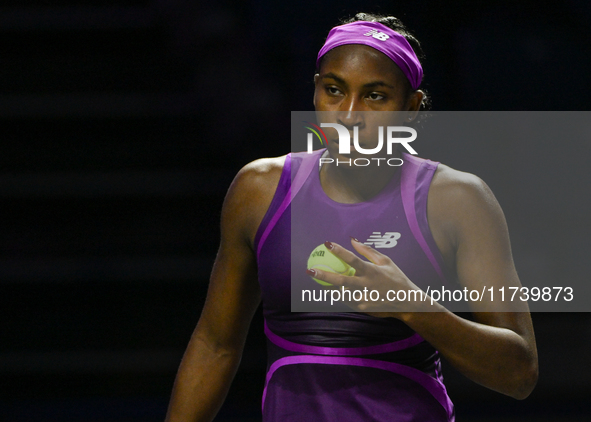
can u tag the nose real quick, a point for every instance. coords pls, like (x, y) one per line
(351, 113)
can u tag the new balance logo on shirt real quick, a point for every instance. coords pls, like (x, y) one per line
(377, 34)
(387, 240)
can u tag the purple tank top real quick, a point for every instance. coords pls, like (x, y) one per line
(345, 366)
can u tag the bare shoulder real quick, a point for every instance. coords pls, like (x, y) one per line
(461, 207)
(453, 180)
(250, 195)
(263, 170)
(459, 204)
(460, 192)
(256, 180)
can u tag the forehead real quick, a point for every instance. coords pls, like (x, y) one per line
(356, 61)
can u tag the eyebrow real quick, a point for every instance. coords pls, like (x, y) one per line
(373, 84)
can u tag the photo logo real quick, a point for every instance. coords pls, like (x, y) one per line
(322, 139)
(345, 139)
(345, 142)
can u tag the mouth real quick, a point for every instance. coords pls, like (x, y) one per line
(335, 142)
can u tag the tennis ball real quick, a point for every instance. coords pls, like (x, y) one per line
(325, 260)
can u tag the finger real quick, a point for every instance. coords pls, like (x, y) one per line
(336, 280)
(370, 253)
(345, 254)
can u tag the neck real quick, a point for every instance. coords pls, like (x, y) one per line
(350, 185)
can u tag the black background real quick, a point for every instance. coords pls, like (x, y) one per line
(123, 123)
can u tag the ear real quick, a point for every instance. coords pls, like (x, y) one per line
(414, 104)
(316, 77)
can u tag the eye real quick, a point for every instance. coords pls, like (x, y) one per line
(374, 96)
(333, 90)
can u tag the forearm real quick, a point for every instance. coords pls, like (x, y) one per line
(202, 382)
(497, 358)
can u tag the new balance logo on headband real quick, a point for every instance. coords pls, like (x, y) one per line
(388, 240)
(377, 34)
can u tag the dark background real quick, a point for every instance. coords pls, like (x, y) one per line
(123, 123)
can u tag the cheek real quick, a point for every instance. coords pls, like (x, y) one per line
(315, 97)
(321, 100)
(369, 137)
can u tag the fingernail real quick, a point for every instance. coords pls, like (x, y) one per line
(311, 272)
(355, 239)
(328, 245)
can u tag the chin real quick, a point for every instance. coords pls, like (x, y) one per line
(346, 161)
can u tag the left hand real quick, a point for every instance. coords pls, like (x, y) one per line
(380, 274)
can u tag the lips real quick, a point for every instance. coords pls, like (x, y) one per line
(362, 144)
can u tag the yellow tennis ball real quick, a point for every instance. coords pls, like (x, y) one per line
(323, 259)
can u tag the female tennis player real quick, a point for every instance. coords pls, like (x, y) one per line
(441, 226)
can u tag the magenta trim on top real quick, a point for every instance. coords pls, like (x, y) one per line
(432, 385)
(407, 191)
(300, 178)
(277, 214)
(342, 351)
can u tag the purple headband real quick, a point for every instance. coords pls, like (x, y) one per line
(383, 39)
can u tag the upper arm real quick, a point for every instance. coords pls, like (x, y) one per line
(234, 293)
(476, 233)
(483, 249)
